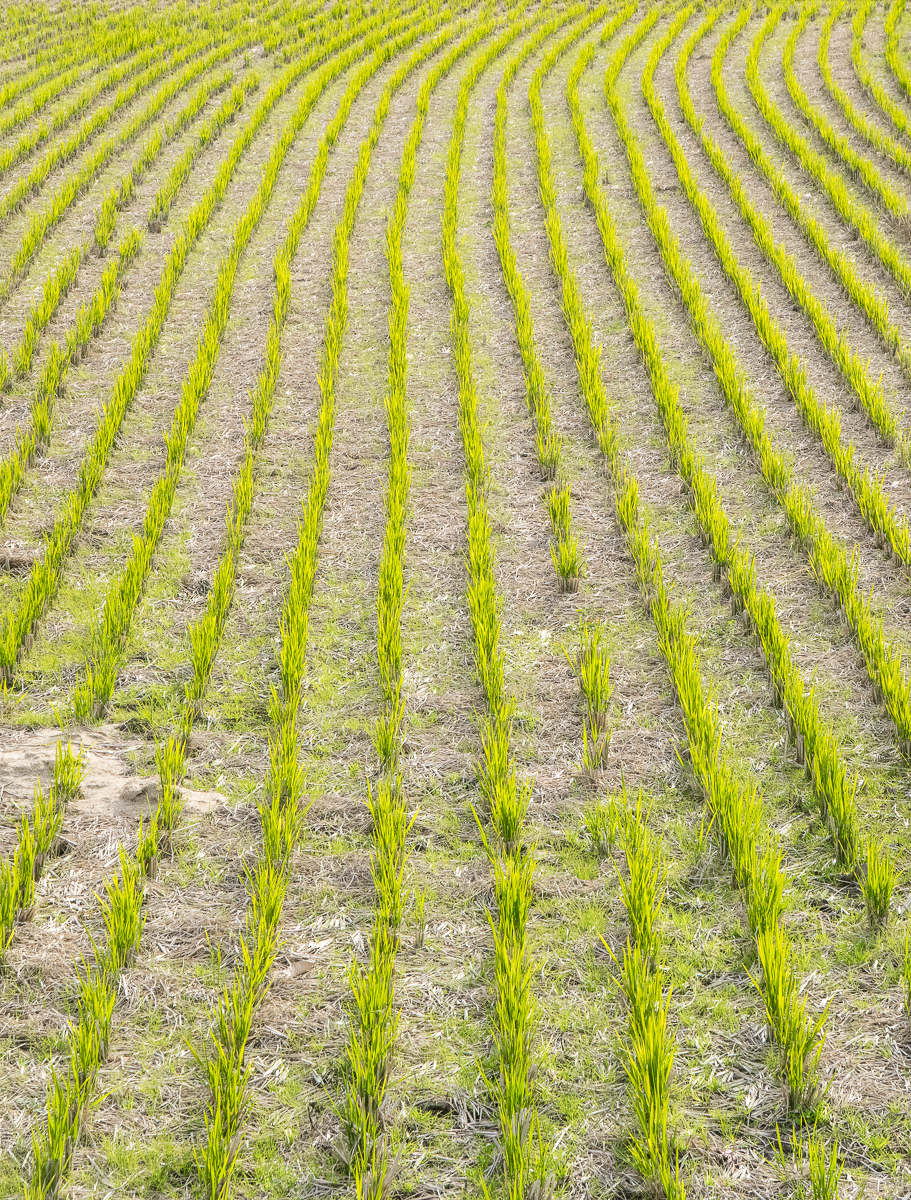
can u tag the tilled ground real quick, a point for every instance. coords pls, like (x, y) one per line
(727, 1112)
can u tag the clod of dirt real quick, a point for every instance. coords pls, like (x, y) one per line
(196, 585)
(16, 560)
(141, 790)
(201, 802)
(297, 966)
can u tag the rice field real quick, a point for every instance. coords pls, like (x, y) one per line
(455, 599)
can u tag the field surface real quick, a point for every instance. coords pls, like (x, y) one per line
(455, 618)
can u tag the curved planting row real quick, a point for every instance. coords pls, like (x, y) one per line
(70, 1094)
(871, 303)
(648, 1052)
(63, 276)
(28, 141)
(171, 757)
(737, 814)
(54, 65)
(896, 114)
(896, 66)
(850, 210)
(816, 747)
(372, 1049)
(869, 395)
(44, 579)
(85, 36)
(525, 1153)
(29, 184)
(92, 316)
(280, 809)
(373, 1019)
(206, 633)
(565, 552)
(71, 187)
(860, 167)
(869, 130)
(38, 99)
(205, 636)
(110, 638)
(57, 363)
(831, 564)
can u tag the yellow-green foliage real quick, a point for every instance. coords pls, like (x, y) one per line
(872, 304)
(505, 797)
(43, 580)
(868, 129)
(833, 566)
(816, 747)
(850, 210)
(728, 805)
(280, 809)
